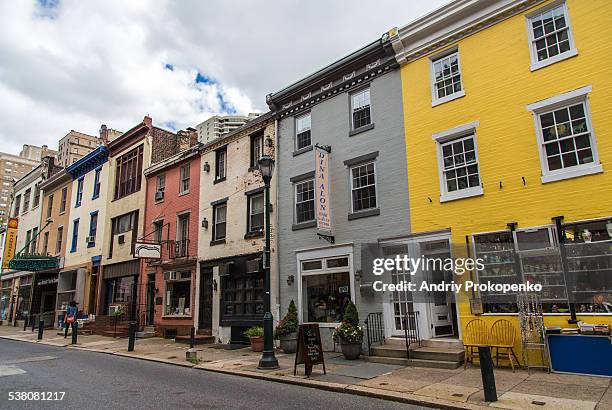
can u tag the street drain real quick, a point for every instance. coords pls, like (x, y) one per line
(538, 403)
(383, 384)
(457, 395)
(171, 357)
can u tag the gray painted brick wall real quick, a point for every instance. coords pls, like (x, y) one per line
(330, 126)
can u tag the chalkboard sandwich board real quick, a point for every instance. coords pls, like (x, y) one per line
(309, 349)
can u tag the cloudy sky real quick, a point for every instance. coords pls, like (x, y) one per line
(76, 64)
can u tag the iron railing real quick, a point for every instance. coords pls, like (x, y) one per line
(375, 327)
(411, 330)
(181, 248)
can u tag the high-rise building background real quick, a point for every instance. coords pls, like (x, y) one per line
(219, 125)
(74, 146)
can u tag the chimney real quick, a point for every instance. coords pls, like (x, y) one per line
(148, 121)
(104, 134)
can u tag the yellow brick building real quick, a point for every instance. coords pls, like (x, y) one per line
(508, 118)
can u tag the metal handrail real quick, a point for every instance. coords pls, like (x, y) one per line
(411, 330)
(375, 328)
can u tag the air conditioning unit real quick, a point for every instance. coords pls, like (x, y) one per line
(171, 275)
(121, 239)
(159, 195)
(90, 239)
(253, 266)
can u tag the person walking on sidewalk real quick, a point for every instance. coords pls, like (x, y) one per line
(71, 314)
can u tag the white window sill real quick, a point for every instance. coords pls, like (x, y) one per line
(463, 193)
(572, 173)
(552, 60)
(448, 98)
(176, 317)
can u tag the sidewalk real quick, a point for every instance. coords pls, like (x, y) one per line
(440, 388)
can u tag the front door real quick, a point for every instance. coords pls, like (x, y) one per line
(150, 316)
(206, 298)
(440, 312)
(401, 301)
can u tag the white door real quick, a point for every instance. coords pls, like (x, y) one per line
(440, 311)
(400, 301)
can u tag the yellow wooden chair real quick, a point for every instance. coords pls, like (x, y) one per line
(476, 334)
(503, 336)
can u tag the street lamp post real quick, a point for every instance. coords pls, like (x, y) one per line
(268, 360)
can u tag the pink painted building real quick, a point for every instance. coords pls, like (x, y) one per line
(168, 284)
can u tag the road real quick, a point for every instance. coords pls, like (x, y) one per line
(100, 381)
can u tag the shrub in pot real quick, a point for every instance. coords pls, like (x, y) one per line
(286, 330)
(350, 334)
(255, 335)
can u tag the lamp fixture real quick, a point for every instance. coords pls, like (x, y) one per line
(206, 167)
(269, 141)
(205, 223)
(290, 280)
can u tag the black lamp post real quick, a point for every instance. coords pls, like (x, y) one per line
(268, 360)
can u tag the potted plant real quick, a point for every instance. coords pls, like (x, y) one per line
(350, 333)
(255, 335)
(286, 330)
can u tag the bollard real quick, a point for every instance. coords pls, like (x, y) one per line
(75, 331)
(192, 338)
(25, 322)
(41, 327)
(132, 336)
(486, 371)
(33, 323)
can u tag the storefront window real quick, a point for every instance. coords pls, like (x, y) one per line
(23, 299)
(243, 295)
(178, 295)
(5, 299)
(326, 289)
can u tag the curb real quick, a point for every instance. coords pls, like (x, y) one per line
(315, 384)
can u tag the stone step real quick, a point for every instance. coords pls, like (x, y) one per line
(437, 353)
(396, 341)
(199, 339)
(450, 343)
(387, 360)
(144, 335)
(434, 364)
(389, 351)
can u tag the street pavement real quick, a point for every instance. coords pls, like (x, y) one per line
(93, 380)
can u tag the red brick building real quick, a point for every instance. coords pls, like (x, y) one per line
(168, 284)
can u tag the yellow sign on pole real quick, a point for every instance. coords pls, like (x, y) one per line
(11, 242)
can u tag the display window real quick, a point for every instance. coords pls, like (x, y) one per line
(326, 289)
(178, 294)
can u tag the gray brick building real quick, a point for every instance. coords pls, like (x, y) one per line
(354, 106)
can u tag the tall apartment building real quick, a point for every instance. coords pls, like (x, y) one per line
(74, 146)
(36, 153)
(220, 125)
(12, 168)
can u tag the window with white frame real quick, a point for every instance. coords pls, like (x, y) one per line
(360, 108)
(219, 223)
(304, 201)
(185, 178)
(256, 213)
(458, 166)
(363, 187)
(302, 132)
(178, 294)
(565, 136)
(326, 289)
(446, 82)
(550, 35)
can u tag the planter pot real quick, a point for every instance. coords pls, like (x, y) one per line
(289, 343)
(256, 343)
(351, 351)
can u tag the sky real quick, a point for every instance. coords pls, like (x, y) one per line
(75, 64)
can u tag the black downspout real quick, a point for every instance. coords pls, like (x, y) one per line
(565, 268)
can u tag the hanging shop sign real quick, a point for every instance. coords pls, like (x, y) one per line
(309, 348)
(147, 250)
(11, 242)
(322, 192)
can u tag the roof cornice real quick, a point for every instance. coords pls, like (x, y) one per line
(90, 161)
(451, 23)
(248, 128)
(173, 160)
(357, 68)
(56, 180)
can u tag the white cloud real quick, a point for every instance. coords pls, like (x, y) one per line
(75, 65)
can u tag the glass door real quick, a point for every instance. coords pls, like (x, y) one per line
(401, 301)
(440, 311)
